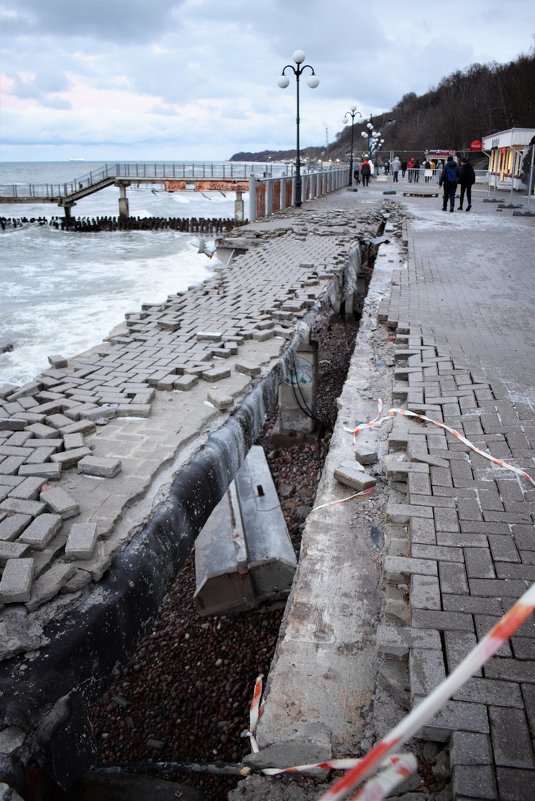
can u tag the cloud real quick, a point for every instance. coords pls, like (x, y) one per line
(159, 74)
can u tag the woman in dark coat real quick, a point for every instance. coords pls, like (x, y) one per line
(467, 180)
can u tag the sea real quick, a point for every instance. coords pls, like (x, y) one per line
(62, 292)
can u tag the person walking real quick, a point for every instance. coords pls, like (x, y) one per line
(416, 168)
(403, 168)
(410, 168)
(396, 166)
(365, 172)
(449, 178)
(356, 173)
(467, 179)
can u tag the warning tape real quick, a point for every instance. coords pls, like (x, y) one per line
(378, 421)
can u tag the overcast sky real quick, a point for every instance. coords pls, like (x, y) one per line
(197, 79)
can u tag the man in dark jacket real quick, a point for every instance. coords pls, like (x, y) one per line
(449, 178)
(365, 172)
(467, 180)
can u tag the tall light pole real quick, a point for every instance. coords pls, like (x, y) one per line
(298, 57)
(352, 113)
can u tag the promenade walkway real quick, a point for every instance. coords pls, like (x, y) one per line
(391, 589)
(394, 590)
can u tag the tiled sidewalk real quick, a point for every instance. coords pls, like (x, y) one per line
(462, 314)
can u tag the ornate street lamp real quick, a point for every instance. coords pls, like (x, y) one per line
(298, 57)
(352, 113)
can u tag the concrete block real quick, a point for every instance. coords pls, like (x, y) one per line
(398, 640)
(56, 361)
(426, 669)
(60, 502)
(349, 474)
(71, 458)
(209, 336)
(15, 505)
(41, 431)
(49, 584)
(12, 424)
(262, 336)
(72, 441)
(79, 427)
(12, 550)
(16, 583)
(185, 382)
(81, 541)
(46, 470)
(41, 531)
(133, 410)
(247, 368)
(11, 526)
(99, 466)
(28, 490)
(220, 400)
(366, 448)
(216, 374)
(398, 568)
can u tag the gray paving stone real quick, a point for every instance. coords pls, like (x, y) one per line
(11, 526)
(511, 741)
(468, 748)
(185, 382)
(68, 459)
(455, 716)
(403, 512)
(99, 466)
(491, 692)
(445, 621)
(81, 541)
(425, 592)
(60, 502)
(16, 582)
(515, 784)
(216, 374)
(397, 640)
(426, 670)
(12, 550)
(221, 400)
(247, 368)
(349, 474)
(45, 470)
(479, 563)
(474, 781)
(15, 505)
(28, 489)
(41, 431)
(41, 530)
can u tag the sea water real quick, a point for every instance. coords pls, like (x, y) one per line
(61, 292)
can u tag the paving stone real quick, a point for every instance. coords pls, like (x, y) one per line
(28, 489)
(398, 568)
(397, 640)
(479, 563)
(16, 505)
(425, 592)
(491, 692)
(12, 424)
(403, 512)
(426, 670)
(12, 550)
(216, 374)
(220, 400)
(72, 441)
(422, 530)
(247, 368)
(11, 526)
(57, 361)
(16, 582)
(455, 716)
(431, 619)
(474, 781)
(60, 502)
(41, 530)
(79, 427)
(468, 748)
(99, 466)
(46, 470)
(511, 741)
(515, 784)
(81, 541)
(41, 431)
(349, 474)
(68, 459)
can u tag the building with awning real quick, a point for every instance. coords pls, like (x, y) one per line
(506, 151)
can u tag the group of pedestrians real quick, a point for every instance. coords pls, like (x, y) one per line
(450, 177)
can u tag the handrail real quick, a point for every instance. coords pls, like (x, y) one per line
(137, 171)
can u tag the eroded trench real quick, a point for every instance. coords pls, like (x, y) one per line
(184, 696)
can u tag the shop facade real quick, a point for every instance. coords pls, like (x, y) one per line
(506, 151)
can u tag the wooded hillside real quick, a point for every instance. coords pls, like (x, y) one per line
(466, 105)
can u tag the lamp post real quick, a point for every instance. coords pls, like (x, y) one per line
(352, 113)
(298, 57)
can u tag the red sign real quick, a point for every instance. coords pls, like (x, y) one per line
(476, 144)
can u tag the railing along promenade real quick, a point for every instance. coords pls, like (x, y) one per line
(270, 186)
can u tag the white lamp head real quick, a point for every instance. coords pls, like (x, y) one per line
(283, 82)
(298, 56)
(313, 81)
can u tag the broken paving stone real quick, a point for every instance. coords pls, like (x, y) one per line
(248, 368)
(349, 474)
(16, 583)
(60, 502)
(220, 400)
(41, 531)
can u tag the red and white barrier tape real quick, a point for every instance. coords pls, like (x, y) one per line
(378, 420)
(382, 784)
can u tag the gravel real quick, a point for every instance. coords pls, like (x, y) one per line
(185, 695)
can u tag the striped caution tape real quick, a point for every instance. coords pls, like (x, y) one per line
(381, 785)
(378, 421)
(421, 714)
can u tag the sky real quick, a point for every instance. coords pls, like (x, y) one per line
(110, 80)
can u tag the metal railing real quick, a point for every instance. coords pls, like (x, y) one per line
(136, 171)
(268, 195)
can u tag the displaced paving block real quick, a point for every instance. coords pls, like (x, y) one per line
(80, 427)
(366, 447)
(248, 368)
(349, 474)
(56, 361)
(41, 531)
(262, 336)
(216, 374)
(47, 470)
(11, 526)
(41, 431)
(28, 490)
(12, 550)
(99, 466)
(15, 505)
(72, 441)
(49, 584)
(69, 459)
(185, 382)
(220, 400)
(60, 502)
(81, 541)
(209, 336)
(16, 583)
(133, 410)
(12, 424)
